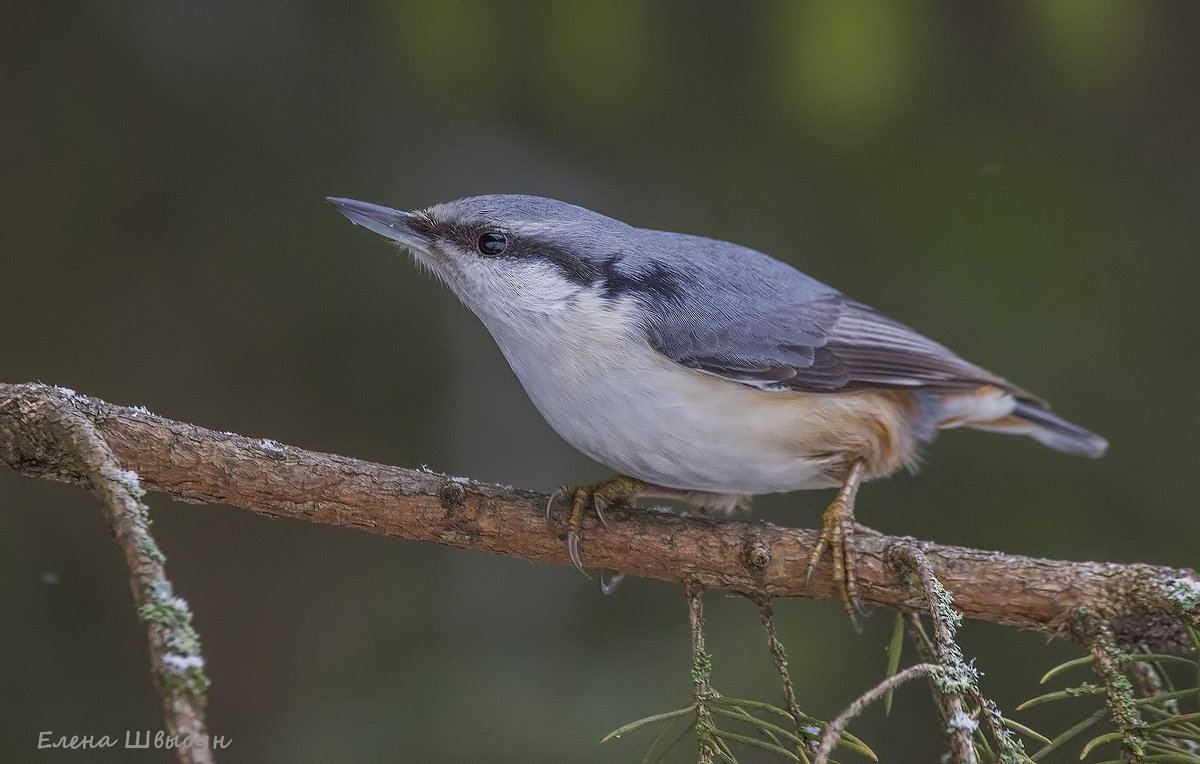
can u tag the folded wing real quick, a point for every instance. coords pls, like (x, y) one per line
(821, 345)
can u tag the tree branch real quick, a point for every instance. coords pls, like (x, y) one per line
(957, 677)
(1140, 604)
(175, 661)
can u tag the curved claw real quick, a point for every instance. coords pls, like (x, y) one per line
(554, 497)
(598, 508)
(620, 489)
(573, 550)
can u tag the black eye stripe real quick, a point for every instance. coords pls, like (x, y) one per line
(471, 235)
(464, 234)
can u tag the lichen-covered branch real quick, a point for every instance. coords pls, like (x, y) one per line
(955, 676)
(956, 680)
(175, 661)
(1142, 604)
(709, 744)
(1109, 664)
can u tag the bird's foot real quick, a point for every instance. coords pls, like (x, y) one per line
(618, 490)
(837, 535)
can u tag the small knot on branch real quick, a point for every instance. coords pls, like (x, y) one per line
(453, 494)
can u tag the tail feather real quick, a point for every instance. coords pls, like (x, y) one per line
(999, 409)
(1051, 430)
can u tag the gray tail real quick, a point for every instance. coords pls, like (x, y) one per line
(1057, 433)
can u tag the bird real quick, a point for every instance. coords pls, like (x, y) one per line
(701, 370)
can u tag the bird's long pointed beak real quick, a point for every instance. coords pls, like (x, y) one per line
(389, 223)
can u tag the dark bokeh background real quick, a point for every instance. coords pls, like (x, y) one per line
(1020, 181)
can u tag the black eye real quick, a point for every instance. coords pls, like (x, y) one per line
(493, 243)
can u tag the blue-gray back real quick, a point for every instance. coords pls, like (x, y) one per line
(727, 309)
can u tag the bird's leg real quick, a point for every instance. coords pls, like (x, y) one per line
(837, 533)
(619, 489)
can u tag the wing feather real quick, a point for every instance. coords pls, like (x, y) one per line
(821, 345)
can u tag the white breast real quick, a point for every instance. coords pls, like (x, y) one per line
(592, 375)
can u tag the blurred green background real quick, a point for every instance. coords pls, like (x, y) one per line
(1020, 180)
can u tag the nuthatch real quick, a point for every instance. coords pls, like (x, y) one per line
(702, 370)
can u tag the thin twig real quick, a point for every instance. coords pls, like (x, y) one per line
(993, 721)
(833, 731)
(708, 744)
(779, 658)
(927, 653)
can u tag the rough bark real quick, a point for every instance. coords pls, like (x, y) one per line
(1141, 604)
(45, 426)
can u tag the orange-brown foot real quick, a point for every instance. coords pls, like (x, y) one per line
(837, 535)
(618, 490)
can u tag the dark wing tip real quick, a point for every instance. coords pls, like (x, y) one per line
(1051, 430)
